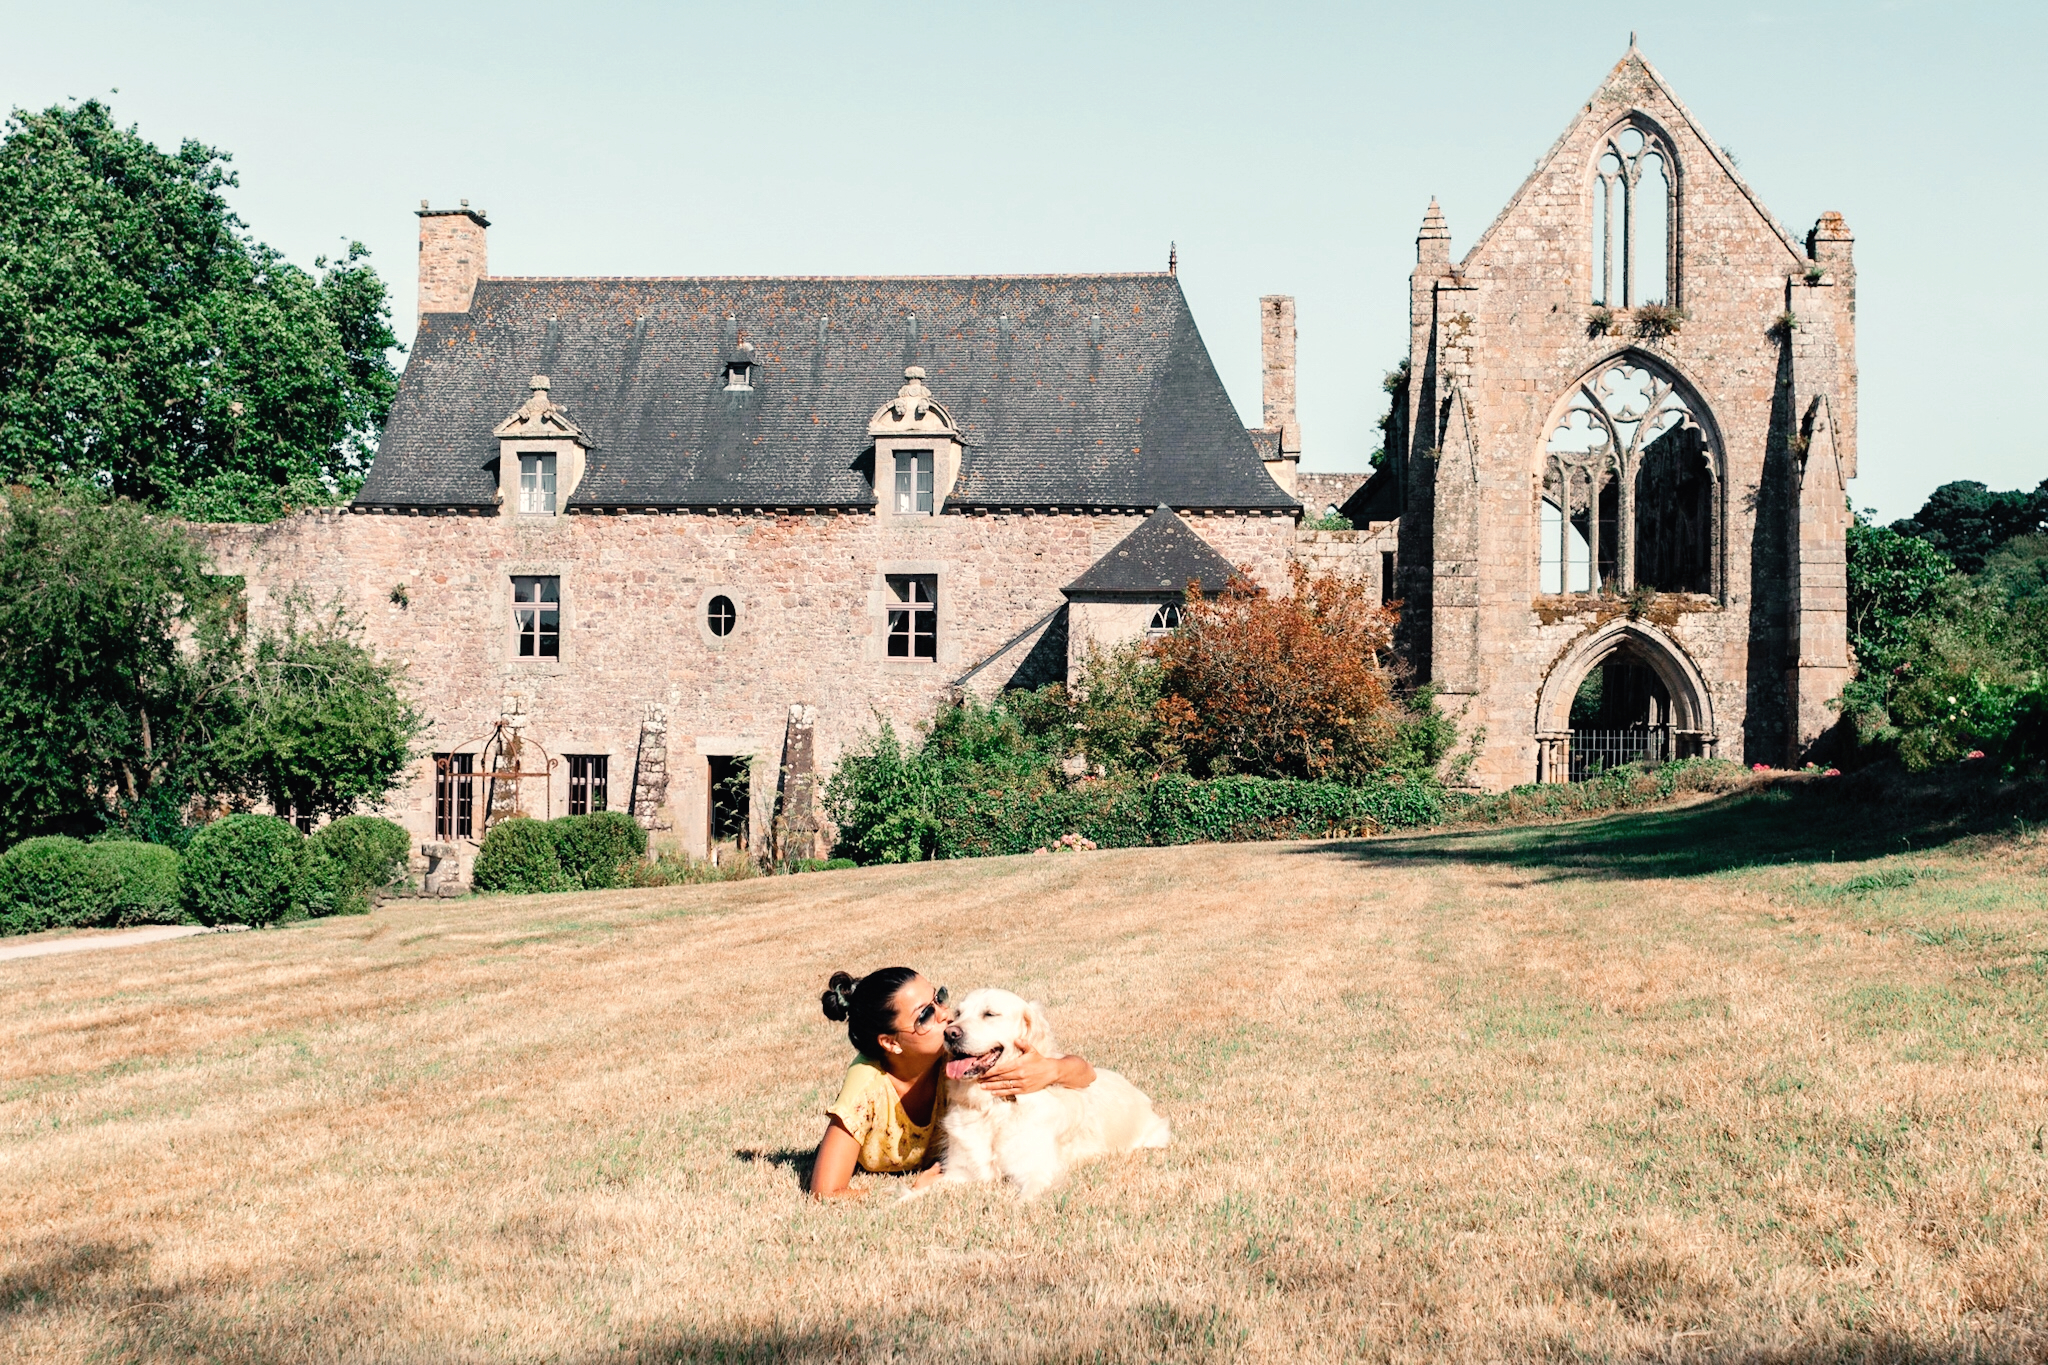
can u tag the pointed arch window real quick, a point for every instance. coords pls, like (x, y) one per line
(1631, 488)
(1635, 216)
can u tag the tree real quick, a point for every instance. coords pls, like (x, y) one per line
(1894, 581)
(1293, 686)
(318, 725)
(103, 713)
(150, 348)
(1967, 521)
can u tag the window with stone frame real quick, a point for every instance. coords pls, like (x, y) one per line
(914, 482)
(537, 615)
(913, 616)
(589, 783)
(536, 484)
(1635, 209)
(721, 616)
(1164, 621)
(454, 796)
(1631, 490)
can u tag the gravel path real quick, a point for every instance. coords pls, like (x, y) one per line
(85, 943)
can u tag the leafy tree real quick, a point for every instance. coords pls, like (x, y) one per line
(319, 725)
(1293, 686)
(151, 348)
(1967, 521)
(2018, 569)
(103, 714)
(1895, 580)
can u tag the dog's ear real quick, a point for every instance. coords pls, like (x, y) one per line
(1037, 1033)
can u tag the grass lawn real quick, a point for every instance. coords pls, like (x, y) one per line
(1756, 1078)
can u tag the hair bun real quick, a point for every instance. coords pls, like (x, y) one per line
(837, 1001)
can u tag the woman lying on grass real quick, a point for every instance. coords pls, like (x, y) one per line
(887, 1115)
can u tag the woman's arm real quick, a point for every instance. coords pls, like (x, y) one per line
(832, 1167)
(1031, 1071)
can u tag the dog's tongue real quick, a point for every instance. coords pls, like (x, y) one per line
(959, 1067)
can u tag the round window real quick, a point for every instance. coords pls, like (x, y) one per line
(722, 615)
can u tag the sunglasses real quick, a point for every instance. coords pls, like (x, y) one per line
(930, 1011)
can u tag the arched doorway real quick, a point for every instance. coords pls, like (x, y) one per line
(1623, 694)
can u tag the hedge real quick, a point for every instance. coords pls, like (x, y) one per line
(1624, 788)
(1134, 813)
(520, 855)
(373, 853)
(148, 874)
(53, 883)
(258, 869)
(593, 850)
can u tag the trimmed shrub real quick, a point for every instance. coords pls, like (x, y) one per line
(1178, 810)
(373, 852)
(1624, 788)
(519, 855)
(148, 881)
(255, 870)
(593, 850)
(54, 883)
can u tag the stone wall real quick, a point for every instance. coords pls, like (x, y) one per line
(811, 629)
(1320, 492)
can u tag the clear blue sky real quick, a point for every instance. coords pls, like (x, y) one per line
(1288, 149)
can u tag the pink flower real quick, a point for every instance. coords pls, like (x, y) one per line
(1832, 772)
(1759, 767)
(1974, 753)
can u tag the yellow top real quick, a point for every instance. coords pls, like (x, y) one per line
(869, 1107)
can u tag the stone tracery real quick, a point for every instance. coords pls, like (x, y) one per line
(1634, 201)
(1631, 487)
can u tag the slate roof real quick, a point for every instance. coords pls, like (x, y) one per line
(1156, 561)
(1377, 499)
(1069, 390)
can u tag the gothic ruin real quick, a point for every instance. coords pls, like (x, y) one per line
(1623, 443)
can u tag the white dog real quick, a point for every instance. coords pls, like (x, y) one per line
(1030, 1139)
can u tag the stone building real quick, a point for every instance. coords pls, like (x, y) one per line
(1622, 450)
(670, 545)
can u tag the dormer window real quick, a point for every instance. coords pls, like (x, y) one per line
(540, 456)
(537, 484)
(739, 370)
(914, 482)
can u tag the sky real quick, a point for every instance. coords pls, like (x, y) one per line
(1285, 149)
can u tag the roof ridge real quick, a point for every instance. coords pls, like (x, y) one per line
(1014, 275)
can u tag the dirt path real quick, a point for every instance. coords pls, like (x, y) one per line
(85, 943)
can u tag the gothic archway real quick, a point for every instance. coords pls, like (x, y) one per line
(1632, 488)
(1625, 692)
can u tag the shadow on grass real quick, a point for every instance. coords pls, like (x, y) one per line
(59, 1273)
(794, 1159)
(1792, 820)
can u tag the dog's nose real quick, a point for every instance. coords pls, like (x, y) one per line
(952, 1033)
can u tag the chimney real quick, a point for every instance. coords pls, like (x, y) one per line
(451, 257)
(1276, 361)
(1276, 356)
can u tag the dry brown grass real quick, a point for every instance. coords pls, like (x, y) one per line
(1586, 1091)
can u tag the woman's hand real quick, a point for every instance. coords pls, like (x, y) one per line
(1030, 1071)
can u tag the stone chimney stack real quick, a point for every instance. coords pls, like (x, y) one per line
(451, 257)
(1276, 356)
